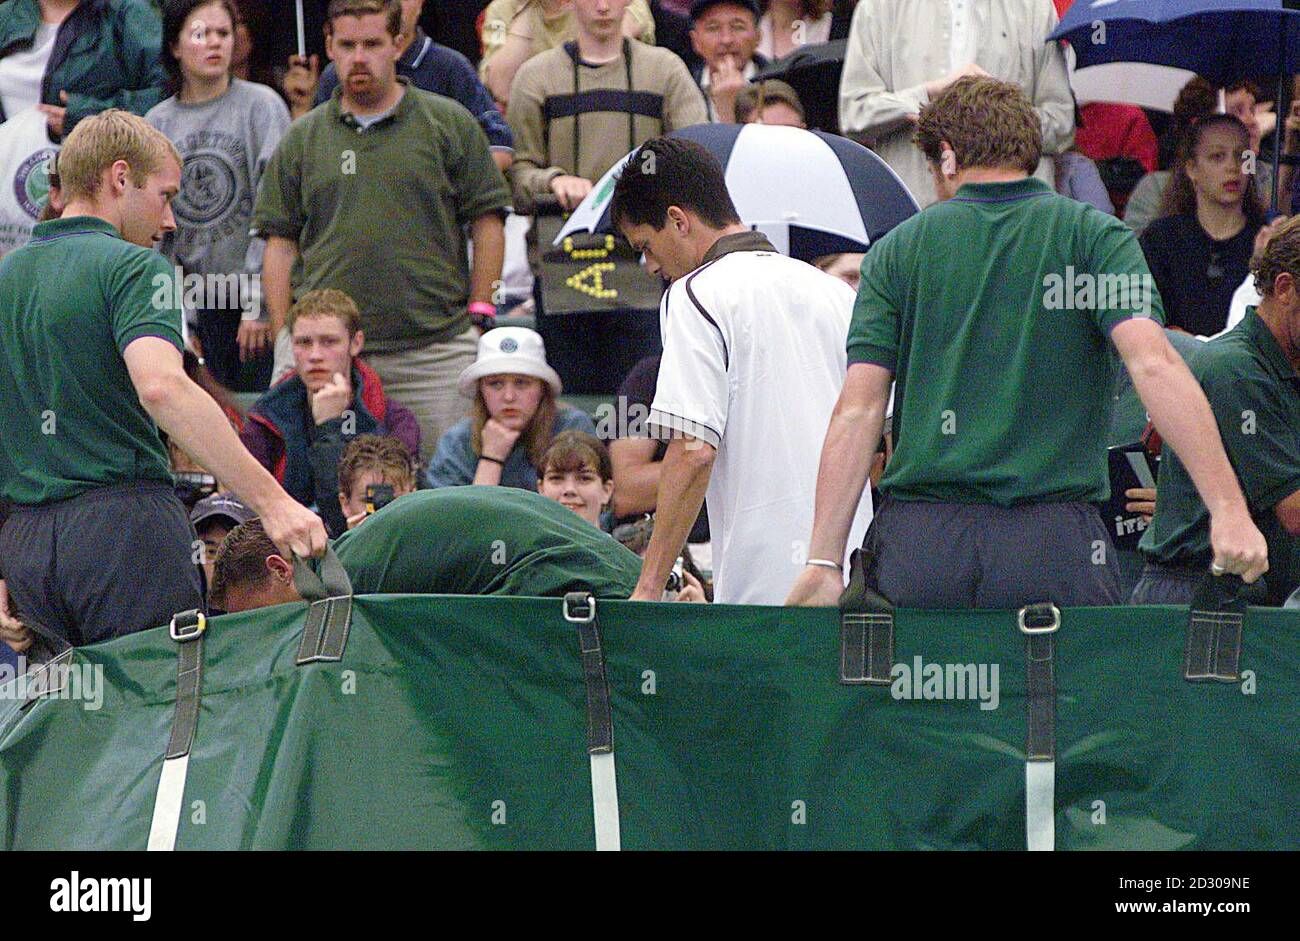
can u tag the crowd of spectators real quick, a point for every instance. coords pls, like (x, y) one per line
(352, 204)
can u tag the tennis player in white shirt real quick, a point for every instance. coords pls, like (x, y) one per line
(753, 362)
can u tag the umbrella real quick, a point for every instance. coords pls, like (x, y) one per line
(813, 71)
(846, 197)
(1222, 40)
(1131, 83)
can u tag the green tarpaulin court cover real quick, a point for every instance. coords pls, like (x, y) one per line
(455, 722)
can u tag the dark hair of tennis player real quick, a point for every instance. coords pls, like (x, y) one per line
(241, 560)
(671, 171)
(989, 124)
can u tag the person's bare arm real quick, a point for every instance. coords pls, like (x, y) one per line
(277, 264)
(1181, 413)
(847, 453)
(500, 68)
(636, 475)
(194, 420)
(1288, 513)
(683, 481)
(488, 233)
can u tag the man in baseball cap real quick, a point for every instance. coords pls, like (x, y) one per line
(213, 517)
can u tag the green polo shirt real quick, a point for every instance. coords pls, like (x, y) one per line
(71, 301)
(992, 312)
(1255, 395)
(484, 541)
(378, 212)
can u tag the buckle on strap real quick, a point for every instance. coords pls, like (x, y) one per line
(188, 625)
(1041, 618)
(579, 607)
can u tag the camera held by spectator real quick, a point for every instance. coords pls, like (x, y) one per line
(374, 470)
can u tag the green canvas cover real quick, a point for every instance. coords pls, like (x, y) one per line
(455, 722)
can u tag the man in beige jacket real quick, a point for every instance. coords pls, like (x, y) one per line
(903, 53)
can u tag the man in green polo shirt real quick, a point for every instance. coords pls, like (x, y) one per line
(96, 543)
(992, 312)
(1250, 376)
(452, 541)
(371, 191)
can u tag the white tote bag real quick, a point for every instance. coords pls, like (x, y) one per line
(25, 152)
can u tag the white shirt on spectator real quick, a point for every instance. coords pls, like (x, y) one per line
(1245, 296)
(895, 47)
(814, 32)
(965, 34)
(753, 363)
(22, 72)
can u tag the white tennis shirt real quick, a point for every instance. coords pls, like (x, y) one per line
(753, 362)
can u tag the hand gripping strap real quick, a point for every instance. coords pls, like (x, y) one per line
(866, 628)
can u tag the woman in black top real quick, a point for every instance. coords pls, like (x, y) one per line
(1199, 249)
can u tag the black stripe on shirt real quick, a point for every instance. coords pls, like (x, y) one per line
(726, 354)
(647, 104)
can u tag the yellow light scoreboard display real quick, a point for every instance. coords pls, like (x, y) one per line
(592, 273)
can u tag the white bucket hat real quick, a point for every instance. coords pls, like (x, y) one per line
(513, 350)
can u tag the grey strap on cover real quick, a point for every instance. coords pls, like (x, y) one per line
(187, 630)
(580, 610)
(1038, 623)
(1213, 652)
(866, 628)
(329, 618)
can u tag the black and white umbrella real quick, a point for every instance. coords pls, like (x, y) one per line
(811, 193)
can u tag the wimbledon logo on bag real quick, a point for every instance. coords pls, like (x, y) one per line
(32, 181)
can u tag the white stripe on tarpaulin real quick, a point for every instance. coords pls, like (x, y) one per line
(1040, 805)
(604, 801)
(167, 805)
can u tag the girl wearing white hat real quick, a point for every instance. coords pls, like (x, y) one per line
(515, 415)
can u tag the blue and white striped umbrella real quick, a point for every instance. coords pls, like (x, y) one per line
(811, 193)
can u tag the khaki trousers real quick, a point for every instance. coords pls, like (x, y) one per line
(424, 380)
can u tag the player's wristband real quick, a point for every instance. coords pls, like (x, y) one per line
(482, 314)
(826, 563)
(493, 460)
